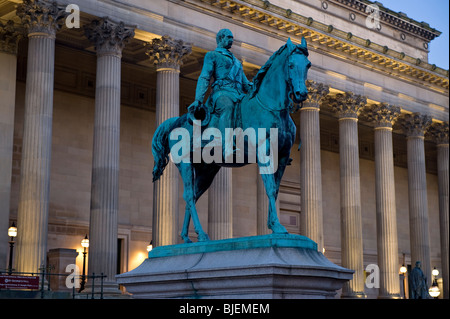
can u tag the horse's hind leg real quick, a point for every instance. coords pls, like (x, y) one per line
(187, 174)
(185, 230)
(187, 213)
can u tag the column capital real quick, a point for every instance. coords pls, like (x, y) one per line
(383, 114)
(40, 16)
(109, 36)
(167, 52)
(316, 93)
(347, 105)
(415, 124)
(9, 37)
(439, 132)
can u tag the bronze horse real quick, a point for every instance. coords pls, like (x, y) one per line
(279, 83)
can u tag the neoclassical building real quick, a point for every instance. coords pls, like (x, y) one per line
(82, 92)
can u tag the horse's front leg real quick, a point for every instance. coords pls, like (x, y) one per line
(271, 190)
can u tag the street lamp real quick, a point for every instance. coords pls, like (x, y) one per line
(12, 232)
(434, 289)
(403, 269)
(84, 244)
(435, 272)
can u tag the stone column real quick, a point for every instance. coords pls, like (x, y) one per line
(415, 126)
(440, 133)
(9, 38)
(109, 38)
(220, 205)
(311, 222)
(167, 54)
(384, 116)
(348, 107)
(41, 20)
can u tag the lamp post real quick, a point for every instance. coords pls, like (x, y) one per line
(434, 289)
(84, 244)
(403, 271)
(12, 232)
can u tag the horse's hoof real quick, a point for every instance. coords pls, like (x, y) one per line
(203, 237)
(186, 239)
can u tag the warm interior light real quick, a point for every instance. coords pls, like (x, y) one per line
(435, 272)
(434, 291)
(150, 246)
(12, 231)
(85, 242)
(403, 269)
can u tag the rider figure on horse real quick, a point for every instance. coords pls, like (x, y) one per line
(229, 84)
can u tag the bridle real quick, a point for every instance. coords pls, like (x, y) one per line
(290, 84)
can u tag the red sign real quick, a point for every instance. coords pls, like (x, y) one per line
(19, 282)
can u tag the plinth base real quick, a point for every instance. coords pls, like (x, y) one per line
(260, 267)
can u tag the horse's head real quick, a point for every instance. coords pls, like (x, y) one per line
(297, 69)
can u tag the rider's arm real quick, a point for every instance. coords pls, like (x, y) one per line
(205, 77)
(246, 83)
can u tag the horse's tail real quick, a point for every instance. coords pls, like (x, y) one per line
(160, 147)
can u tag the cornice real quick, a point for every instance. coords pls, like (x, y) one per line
(395, 19)
(288, 23)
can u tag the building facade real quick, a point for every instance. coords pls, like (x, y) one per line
(84, 84)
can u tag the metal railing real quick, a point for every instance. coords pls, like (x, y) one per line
(76, 293)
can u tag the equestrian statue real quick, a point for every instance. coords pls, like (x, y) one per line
(240, 123)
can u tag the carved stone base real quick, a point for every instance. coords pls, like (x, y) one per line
(276, 266)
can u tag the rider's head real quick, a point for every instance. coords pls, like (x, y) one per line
(224, 39)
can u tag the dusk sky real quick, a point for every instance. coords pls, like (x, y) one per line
(436, 14)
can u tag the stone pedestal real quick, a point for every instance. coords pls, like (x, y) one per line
(281, 266)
